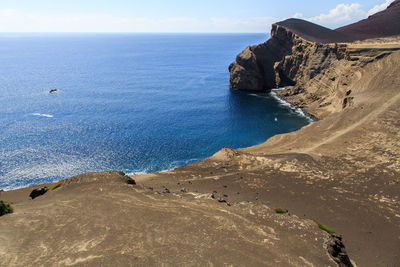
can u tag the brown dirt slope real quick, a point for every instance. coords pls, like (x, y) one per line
(313, 32)
(343, 170)
(97, 219)
(382, 24)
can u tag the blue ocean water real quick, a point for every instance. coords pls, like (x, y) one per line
(130, 102)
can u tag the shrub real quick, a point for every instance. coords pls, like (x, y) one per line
(324, 227)
(5, 208)
(281, 211)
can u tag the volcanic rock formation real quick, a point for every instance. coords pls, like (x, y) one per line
(299, 50)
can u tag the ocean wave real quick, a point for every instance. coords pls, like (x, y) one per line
(287, 104)
(172, 166)
(43, 115)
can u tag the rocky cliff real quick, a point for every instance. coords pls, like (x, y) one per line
(285, 59)
(313, 63)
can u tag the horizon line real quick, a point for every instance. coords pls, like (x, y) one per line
(134, 32)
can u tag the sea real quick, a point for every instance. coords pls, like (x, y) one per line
(136, 103)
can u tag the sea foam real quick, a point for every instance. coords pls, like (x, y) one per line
(287, 104)
(43, 115)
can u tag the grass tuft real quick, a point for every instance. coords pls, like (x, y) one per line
(55, 185)
(324, 227)
(5, 208)
(281, 211)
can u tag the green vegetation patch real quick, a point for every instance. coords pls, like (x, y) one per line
(5, 208)
(55, 185)
(324, 227)
(281, 211)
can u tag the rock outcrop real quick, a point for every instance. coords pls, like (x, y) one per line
(283, 59)
(315, 64)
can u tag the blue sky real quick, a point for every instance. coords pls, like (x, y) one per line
(175, 15)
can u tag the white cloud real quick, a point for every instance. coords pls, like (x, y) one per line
(344, 14)
(13, 21)
(380, 7)
(298, 15)
(340, 15)
(7, 12)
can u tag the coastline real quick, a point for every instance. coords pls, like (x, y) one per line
(285, 101)
(340, 173)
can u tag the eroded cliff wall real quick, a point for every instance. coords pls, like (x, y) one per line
(316, 76)
(281, 61)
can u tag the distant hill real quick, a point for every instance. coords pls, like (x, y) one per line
(382, 24)
(313, 32)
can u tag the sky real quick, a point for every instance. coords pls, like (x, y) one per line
(211, 16)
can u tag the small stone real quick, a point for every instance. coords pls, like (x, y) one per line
(166, 191)
(130, 181)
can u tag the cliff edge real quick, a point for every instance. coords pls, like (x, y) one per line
(301, 53)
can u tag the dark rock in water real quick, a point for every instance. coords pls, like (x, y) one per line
(52, 91)
(183, 190)
(338, 252)
(37, 192)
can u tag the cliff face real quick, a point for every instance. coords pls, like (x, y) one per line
(318, 64)
(317, 75)
(286, 59)
(280, 61)
(254, 67)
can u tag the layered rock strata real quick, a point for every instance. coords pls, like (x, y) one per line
(316, 75)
